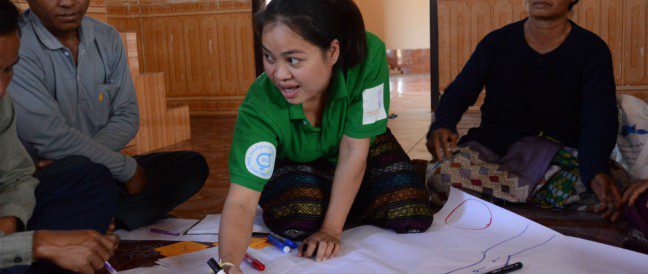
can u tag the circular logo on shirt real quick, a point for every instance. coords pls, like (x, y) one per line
(260, 159)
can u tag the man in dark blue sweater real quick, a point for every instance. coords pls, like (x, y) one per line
(544, 76)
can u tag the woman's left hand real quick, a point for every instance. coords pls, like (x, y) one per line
(325, 242)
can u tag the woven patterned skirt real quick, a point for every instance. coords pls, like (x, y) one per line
(534, 171)
(391, 196)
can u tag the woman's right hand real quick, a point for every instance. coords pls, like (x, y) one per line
(323, 244)
(441, 142)
(236, 225)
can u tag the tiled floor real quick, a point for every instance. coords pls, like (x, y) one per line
(410, 100)
(213, 136)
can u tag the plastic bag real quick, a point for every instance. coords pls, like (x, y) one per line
(631, 150)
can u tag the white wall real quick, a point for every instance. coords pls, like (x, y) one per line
(402, 24)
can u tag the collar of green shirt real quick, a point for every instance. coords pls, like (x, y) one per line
(50, 41)
(338, 89)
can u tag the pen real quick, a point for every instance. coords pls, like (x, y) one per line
(254, 262)
(290, 243)
(160, 231)
(111, 269)
(215, 267)
(506, 269)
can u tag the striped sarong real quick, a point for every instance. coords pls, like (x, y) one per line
(391, 195)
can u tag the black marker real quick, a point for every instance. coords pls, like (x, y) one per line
(506, 269)
(215, 267)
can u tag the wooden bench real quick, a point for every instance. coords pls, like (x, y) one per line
(160, 125)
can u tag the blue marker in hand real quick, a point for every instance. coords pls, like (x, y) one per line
(279, 244)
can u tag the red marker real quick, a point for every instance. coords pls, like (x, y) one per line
(254, 262)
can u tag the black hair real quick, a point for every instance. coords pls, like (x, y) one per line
(320, 22)
(573, 3)
(9, 17)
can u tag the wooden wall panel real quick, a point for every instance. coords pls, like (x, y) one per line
(623, 24)
(605, 18)
(227, 61)
(463, 23)
(195, 79)
(454, 38)
(503, 13)
(177, 69)
(480, 20)
(635, 58)
(210, 57)
(205, 48)
(245, 47)
(96, 10)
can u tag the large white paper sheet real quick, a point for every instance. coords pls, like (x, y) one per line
(158, 269)
(180, 226)
(211, 224)
(469, 235)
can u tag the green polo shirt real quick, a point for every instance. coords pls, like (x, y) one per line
(269, 128)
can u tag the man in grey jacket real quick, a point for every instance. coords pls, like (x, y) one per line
(46, 209)
(74, 95)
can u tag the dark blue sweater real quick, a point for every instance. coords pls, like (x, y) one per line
(567, 94)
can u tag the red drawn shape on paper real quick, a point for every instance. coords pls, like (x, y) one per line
(479, 217)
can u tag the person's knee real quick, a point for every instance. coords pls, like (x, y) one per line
(415, 218)
(65, 165)
(101, 174)
(82, 197)
(199, 162)
(406, 210)
(101, 183)
(294, 219)
(196, 170)
(298, 222)
(74, 172)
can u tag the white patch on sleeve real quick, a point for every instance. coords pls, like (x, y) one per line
(260, 159)
(373, 105)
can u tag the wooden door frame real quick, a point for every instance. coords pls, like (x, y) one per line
(434, 55)
(257, 5)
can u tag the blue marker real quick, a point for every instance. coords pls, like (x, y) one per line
(279, 244)
(290, 243)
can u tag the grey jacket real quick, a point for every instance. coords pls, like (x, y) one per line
(88, 108)
(16, 188)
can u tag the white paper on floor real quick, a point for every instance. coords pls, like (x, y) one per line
(170, 224)
(469, 235)
(211, 224)
(158, 269)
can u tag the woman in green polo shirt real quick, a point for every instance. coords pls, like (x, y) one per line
(312, 133)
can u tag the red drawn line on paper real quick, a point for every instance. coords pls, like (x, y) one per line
(490, 217)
